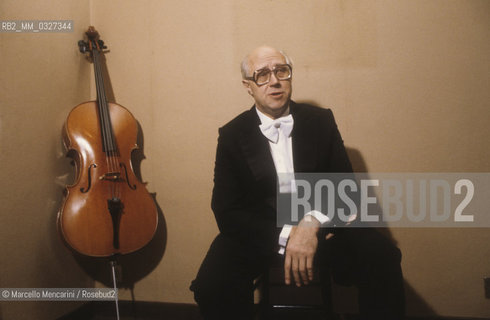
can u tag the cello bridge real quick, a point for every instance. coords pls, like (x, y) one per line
(111, 176)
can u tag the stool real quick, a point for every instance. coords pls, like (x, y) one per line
(281, 301)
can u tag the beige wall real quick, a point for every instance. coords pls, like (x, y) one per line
(407, 80)
(41, 78)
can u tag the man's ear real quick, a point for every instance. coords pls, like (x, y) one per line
(246, 84)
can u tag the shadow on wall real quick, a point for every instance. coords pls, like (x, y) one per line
(345, 298)
(415, 304)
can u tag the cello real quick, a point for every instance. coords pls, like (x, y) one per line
(108, 210)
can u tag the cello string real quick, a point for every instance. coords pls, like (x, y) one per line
(100, 101)
(105, 128)
(108, 147)
(111, 146)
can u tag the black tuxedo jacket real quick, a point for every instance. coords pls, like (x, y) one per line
(245, 178)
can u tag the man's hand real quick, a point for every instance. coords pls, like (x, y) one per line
(300, 251)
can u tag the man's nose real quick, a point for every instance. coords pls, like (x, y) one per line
(273, 80)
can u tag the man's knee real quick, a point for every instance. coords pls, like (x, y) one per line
(209, 290)
(224, 282)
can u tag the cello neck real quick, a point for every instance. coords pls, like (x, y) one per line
(108, 142)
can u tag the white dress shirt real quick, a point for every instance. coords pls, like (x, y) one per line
(282, 155)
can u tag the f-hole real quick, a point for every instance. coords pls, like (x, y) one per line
(127, 178)
(83, 190)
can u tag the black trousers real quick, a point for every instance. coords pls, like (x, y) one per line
(223, 287)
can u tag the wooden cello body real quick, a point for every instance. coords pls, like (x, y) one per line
(107, 211)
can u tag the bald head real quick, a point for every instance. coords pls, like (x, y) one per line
(247, 66)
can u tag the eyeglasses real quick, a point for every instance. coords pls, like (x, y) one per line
(263, 76)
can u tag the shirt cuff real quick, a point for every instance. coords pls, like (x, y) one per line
(322, 218)
(283, 238)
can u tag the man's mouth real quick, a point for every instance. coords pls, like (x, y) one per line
(276, 94)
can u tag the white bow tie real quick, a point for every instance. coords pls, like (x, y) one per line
(271, 130)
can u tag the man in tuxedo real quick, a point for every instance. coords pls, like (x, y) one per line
(279, 136)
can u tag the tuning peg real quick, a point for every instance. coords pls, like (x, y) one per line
(82, 46)
(102, 45)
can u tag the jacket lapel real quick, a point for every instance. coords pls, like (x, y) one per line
(256, 149)
(304, 140)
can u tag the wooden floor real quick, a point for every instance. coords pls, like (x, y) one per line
(174, 311)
